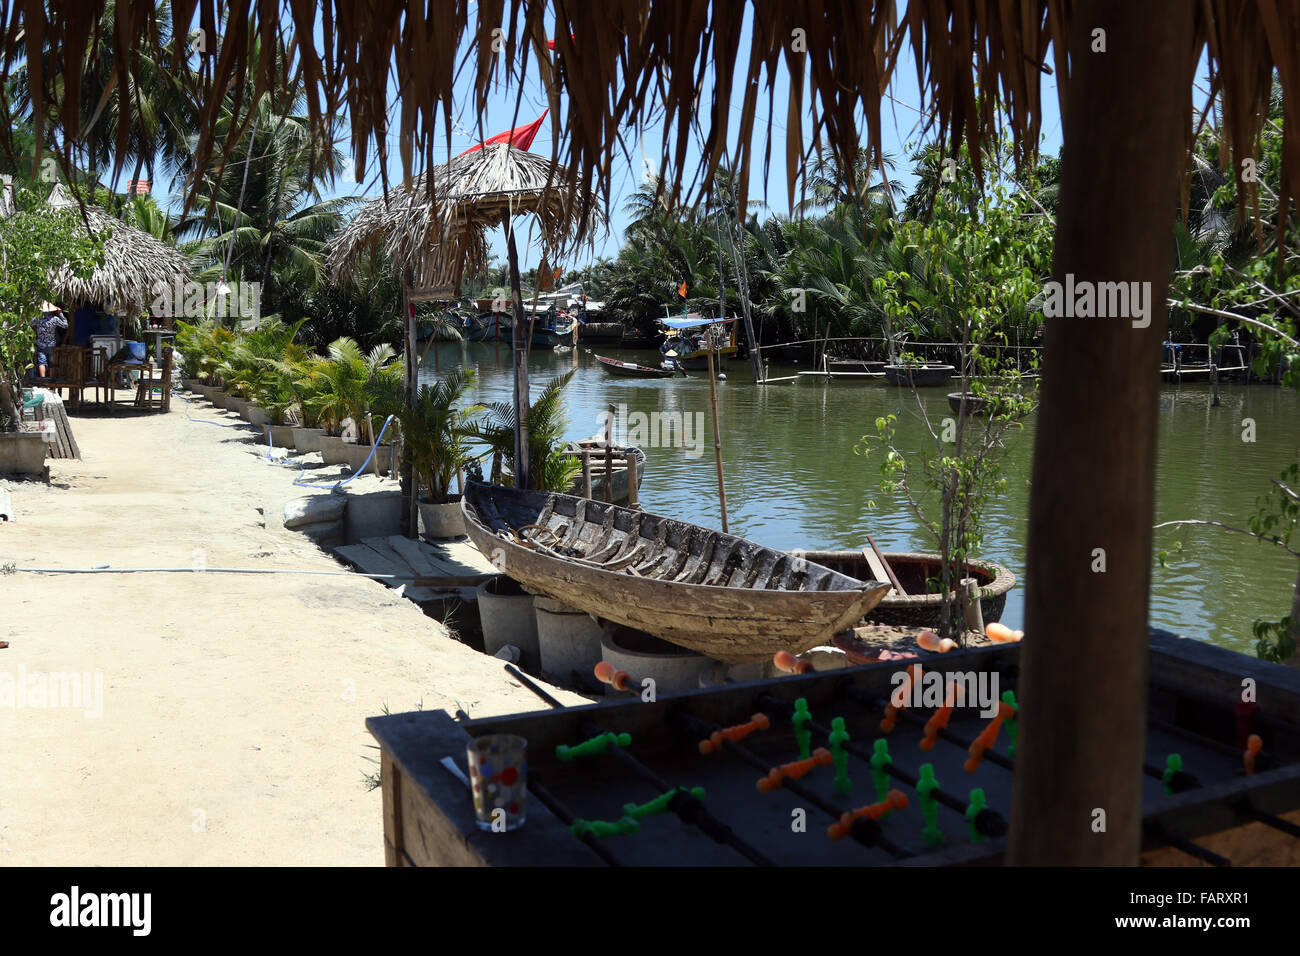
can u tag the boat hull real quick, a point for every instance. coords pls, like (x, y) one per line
(734, 624)
(632, 370)
(924, 376)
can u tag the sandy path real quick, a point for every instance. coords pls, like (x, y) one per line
(233, 705)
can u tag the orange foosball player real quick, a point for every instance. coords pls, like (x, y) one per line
(895, 800)
(793, 771)
(901, 695)
(714, 741)
(1254, 744)
(987, 737)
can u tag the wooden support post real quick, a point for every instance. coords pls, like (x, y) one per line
(410, 520)
(585, 455)
(1092, 495)
(633, 476)
(717, 439)
(971, 600)
(519, 341)
(609, 455)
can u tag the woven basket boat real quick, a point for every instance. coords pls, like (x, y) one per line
(919, 608)
(723, 596)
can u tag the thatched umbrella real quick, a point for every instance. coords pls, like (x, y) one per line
(1124, 74)
(435, 228)
(136, 265)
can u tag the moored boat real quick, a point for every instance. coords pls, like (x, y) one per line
(922, 376)
(632, 370)
(618, 468)
(712, 592)
(919, 607)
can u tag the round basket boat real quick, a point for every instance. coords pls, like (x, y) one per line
(918, 608)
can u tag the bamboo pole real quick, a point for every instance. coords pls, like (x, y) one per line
(633, 477)
(410, 521)
(717, 439)
(523, 451)
(609, 455)
(585, 455)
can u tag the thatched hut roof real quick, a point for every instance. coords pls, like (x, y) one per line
(437, 229)
(623, 62)
(135, 265)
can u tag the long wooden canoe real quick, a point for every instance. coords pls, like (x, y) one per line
(714, 593)
(632, 370)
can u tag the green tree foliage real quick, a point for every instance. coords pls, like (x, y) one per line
(33, 247)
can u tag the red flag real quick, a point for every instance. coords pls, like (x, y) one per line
(558, 273)
(520, 137)
(681, 290)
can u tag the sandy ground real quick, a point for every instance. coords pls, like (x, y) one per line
(233, 706)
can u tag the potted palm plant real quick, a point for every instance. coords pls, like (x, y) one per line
(553, 468)
(436, 431)
(383, 393)
(336, 385)
(309, 431)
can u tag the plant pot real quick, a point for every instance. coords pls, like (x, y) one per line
(219, 398)
(22, 453)
(567, 640)
(333, 450)
(505, 612)
(238, 405)
(256, 416)
(674, 669)
(191, 384)
(441, 519)
(381, 463)
(281, 435)
(307, 439)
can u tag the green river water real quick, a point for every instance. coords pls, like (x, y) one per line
(793, 480)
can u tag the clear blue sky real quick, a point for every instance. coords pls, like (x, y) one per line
(900, 117)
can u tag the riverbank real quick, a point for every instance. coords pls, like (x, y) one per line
(233, 706)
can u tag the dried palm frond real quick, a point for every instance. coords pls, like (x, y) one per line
(619, 63)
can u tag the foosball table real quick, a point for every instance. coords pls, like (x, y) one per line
(897, 763)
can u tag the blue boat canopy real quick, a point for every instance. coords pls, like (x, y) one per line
(692, 322)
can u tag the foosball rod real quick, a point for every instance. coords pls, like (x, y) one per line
(703, 819)
(566, 816)
(878, 703)
(701, 729)
(1183, 781)
(1165, 835)
(994, 826)
(700, 817)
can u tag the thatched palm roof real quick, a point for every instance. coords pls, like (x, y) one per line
(135, 265)
(437, 229)
(621, 61)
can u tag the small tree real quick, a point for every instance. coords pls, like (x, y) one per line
(33, 247)
(984, 255)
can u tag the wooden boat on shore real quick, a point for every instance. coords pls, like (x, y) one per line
(921, 376)
(714, 593)
(632, 370)
(919, 607)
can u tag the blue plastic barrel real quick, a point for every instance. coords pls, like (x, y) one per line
(136, 350)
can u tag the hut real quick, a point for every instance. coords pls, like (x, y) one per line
(1124, 75)
(136, 268)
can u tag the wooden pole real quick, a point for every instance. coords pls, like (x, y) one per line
(717, 439)
(1077, 797)
(633, 477)
(410, 520)
(519, 341)
(609, 454)
(585, 455)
